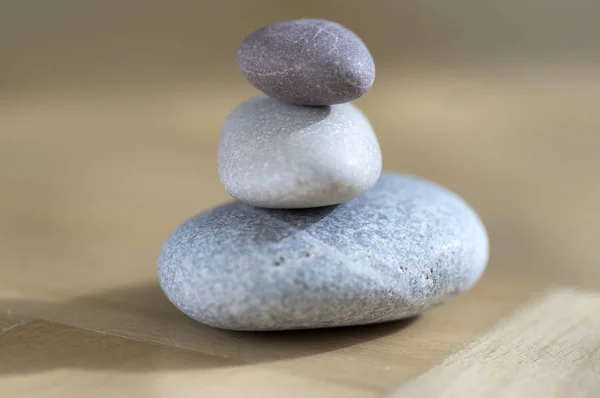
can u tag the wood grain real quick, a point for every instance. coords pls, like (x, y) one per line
(109, 126)
(65, 359)
(93, 184)
(8, 322)
(551, 348)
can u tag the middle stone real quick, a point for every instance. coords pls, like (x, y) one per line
(276, 155)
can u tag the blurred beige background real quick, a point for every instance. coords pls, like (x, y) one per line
(110, 113)
(68, 42)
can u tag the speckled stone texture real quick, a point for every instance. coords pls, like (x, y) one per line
(307, 62)
(277, 155)
(404, 246)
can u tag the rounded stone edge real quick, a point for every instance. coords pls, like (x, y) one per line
(289, 100)
(483, 255)
(226, 179)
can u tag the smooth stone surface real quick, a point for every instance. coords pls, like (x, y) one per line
(277, 155)
(404, 246)
(307, 62)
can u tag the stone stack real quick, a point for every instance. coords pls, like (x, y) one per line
(316, 236)
(304, 144)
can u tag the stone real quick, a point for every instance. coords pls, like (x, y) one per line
(404, 246)
(277, 155)
(307, 62)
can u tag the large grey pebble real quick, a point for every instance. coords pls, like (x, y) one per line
(278, 155)
(404, 246)
(307, 62)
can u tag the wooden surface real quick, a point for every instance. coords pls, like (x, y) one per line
(109, 124)
(548, 349)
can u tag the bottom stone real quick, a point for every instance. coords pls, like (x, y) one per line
(404, 246)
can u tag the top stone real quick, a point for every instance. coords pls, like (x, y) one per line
(307, 62)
